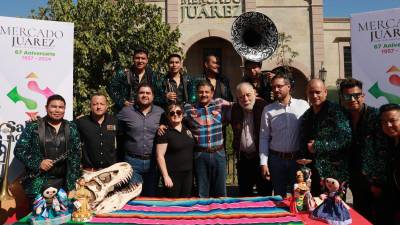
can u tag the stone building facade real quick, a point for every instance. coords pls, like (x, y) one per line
(206, 24)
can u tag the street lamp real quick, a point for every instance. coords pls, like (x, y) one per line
(322, 74)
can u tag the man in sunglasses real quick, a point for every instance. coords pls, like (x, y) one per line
(364, 123)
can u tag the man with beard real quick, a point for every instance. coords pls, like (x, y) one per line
(245, 122)
(205, 120)
(279, 136)
(98, 132)
(45, 140)
(139, 124)
(261, 82)
(364, 123)
(326, 135)
(123, 87)
(219, 82)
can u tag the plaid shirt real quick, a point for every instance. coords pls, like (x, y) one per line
(205, 123)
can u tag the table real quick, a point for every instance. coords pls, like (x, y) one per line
(250, 210)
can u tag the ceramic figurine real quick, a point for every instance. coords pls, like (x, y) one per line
(83, 212)
(52, 207)
(332, 209)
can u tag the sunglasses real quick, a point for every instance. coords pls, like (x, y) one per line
(177, 112)
(349, 97)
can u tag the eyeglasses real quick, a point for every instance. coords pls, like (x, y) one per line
(177, 112)
(349, 97)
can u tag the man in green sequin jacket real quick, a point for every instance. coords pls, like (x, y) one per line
(326, 134)
(45, 141)
(123, 86)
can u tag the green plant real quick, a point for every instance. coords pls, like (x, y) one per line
(106, 32)
(284, 54)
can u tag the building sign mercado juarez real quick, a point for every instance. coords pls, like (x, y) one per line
(209, 9)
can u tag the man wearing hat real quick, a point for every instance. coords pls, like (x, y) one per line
(260, 81)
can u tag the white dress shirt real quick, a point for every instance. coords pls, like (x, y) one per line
(247, 143)
(279, 129)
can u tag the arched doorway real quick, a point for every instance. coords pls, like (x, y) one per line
(230, 61)
(300, 82)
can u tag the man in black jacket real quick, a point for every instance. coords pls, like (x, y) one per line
(123, 87)
(245, 122)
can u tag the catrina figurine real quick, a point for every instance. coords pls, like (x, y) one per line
(332, 209)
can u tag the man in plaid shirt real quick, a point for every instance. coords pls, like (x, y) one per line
(205, 120)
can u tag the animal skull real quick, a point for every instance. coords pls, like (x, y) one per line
(119, 199)
(103, 182)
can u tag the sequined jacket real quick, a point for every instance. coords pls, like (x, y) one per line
(27, 150)
(330, 129)
(124, 86)
(161, 89)
(364, 137)
(379, 159)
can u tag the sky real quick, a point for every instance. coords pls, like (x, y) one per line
(332, 8)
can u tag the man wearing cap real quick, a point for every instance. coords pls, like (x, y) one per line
(260, 81)
(123, 86)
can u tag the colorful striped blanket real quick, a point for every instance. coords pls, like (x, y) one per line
(251, 210)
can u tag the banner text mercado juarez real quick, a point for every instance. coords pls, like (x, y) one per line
(206, 9)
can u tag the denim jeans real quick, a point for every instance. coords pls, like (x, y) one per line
(145, 172)
(210, 171)
(283, 174)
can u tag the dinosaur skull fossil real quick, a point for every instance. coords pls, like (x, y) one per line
(109, 184)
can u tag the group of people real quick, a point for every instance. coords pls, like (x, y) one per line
(173, 126)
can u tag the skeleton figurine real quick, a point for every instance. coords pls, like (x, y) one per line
(112, 182)
(82, 195)
(302, 200)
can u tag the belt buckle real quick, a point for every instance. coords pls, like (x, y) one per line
(287, 155)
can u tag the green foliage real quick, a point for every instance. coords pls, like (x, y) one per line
(284, 54)
(106, 32)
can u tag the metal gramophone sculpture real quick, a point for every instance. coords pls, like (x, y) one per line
(254, 36)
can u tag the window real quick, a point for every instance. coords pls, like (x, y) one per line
(347, 61)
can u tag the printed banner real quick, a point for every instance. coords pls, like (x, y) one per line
(36, 62)
(375, 49)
